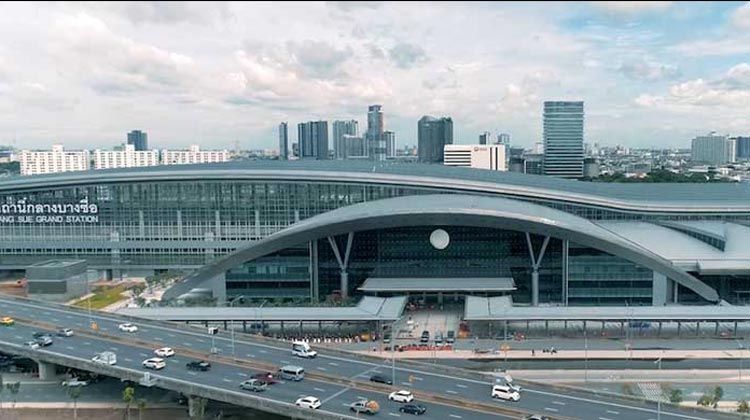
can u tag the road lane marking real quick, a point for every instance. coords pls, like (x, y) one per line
(455, 416)
(320, 389)
(612, 412)
(263, 351)
(461, 386)
(554, 410)
(192, 373)
(128, 360)
(69, 347)
(321, 368)
(87, 343)
(158, 339)
(187, 344)
(334, 395)
(333, 363)
(241, 374)
(418, 378)
(286, 362)
(171, 335)
(19, 337)
(604, 418)
(558, 402)
(55, 320)
(394, 414)
(451, 392)
(227, 380)
(406, 383)
(249, 355)
(143, 354)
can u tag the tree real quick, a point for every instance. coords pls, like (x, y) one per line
(128, 395)
(13, 388)
(718, 395)
(743, 407)
(141, 406)
(675, 396)
(705, 400)
(74, 392)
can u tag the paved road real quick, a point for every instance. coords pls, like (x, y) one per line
(432, 379)
(683, 364)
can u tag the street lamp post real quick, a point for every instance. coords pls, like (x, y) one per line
(88, 299)
(231, 303)
(259, 315)
(393, 349)
(585, 357)
(659, 397)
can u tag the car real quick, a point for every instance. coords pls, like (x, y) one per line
(128, 327)
(416, 409)
(33, 344)
(425, 338)
(44, 340)
(155, 363)
(536, 417)
(7, 321)
(504, 392)
(303, 350)
(267, 377)
(164, 352)
(439, 338)
(255, 385)
(365, 406)
(105, 358)
(387, 337)
(402, 396)
(200, 365)
(65, 332)
(450, 338)
(40, 334)
(75, 382)
(381, 379)
(308, 402)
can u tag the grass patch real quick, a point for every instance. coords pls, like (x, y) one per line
(103, 298)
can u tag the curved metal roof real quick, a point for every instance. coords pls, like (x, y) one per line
(447, 210)
(714, 198)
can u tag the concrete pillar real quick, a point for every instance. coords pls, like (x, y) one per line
(679, 326)
(697, 328)
(440, 298)
(716, 330)
(535, 287)
(344, 284)
(659, 291)
(658, 333)
(244, 326)
(196, 406)
(47, 371)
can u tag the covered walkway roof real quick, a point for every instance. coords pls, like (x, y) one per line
(369, 309)
(501, 309)
(448, 284)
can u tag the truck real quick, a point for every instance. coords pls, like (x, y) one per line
(105, 358)
(302, 349)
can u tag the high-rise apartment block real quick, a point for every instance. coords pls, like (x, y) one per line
(433, 134)
(313, 140)
(743, 148)
(563, 138)
(138, 139)
(353, 146)
(710, 149)
(341, 129)
(374, 139)
(485, 137)
(476, 156)
(389, 137)
(503, 138)
(127, 158)
(56, 160)
(284, 141)
(193, 155)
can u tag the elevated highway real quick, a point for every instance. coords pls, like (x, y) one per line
(336, 378)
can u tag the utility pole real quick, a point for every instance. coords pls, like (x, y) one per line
(231, 303)
(661, 393)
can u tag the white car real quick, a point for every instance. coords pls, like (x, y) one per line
(164, 352)
(74, 382)
(308, 402)
(128, 327)
(504, 392)
(402, 396)
(33, 344)
(155, 363)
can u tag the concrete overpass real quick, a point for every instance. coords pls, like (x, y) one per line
(336, 378)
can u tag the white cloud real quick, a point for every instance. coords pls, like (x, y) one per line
(633, 7)
(642, 68)
(737, 44)
(741, 17)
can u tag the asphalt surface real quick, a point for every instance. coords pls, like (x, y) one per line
(667, 364)
(335, 398)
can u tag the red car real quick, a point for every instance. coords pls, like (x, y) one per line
(266, 377)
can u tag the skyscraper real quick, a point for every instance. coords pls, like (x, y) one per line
(283, 141)
(710, 149)
(341, 128)
(484, 138)
(563, 139)
(313, 140)
(375, 142)
(390, 144)
(743, 148)
(432, 136)
(138, 139)
(503, 138)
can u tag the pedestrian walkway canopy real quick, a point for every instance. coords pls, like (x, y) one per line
(501, 308)
(431, 284)
(368, 309)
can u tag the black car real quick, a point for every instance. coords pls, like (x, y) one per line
(381, 379)
(451, 337)
(416, 409)
(425, 337)
(200, 365)
(40, 334)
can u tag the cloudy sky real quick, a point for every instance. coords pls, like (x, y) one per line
(651, 73)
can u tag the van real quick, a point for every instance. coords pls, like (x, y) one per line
(292, 373)
(504, 392)
(302, 349)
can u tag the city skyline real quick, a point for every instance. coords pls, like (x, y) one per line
(239, 76)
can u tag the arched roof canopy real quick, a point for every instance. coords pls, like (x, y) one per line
(446, 210)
